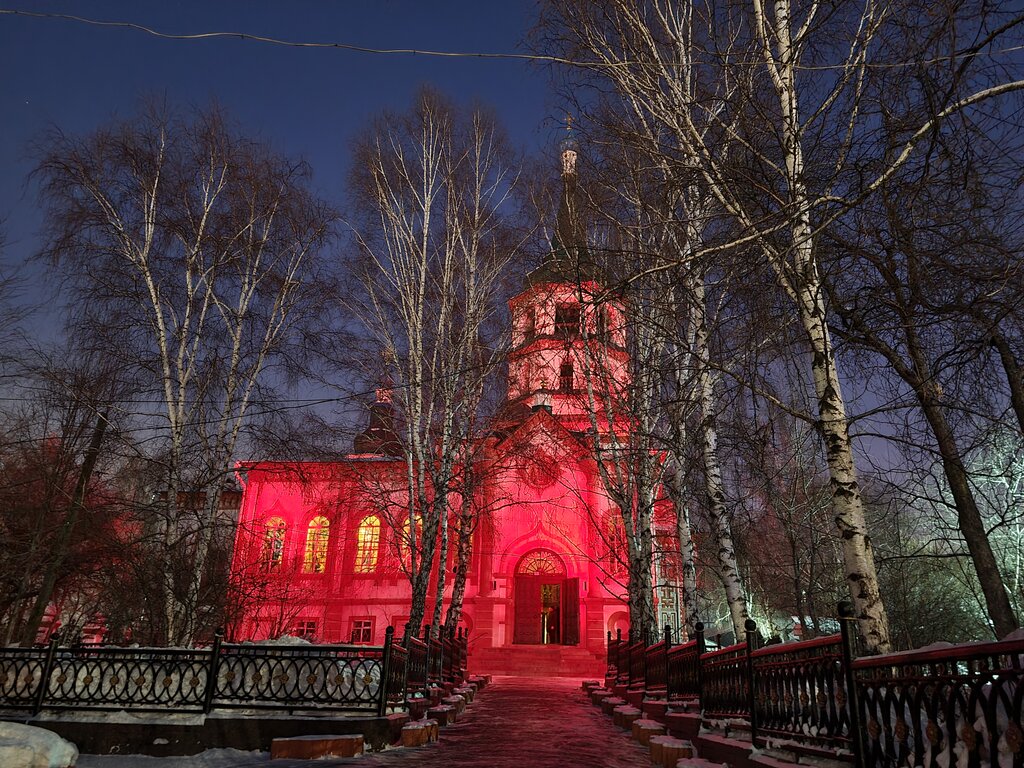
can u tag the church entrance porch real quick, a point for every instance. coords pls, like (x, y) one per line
(547, 604)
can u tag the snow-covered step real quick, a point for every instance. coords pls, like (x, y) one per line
(314, 747)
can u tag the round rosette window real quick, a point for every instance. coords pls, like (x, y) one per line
(539, 470)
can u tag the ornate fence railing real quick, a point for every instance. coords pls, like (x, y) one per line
(623, 667)
(725, 688)
(952, 707)
(251, 676)
(656, 666)
(799, 692)
(613, 652)
(637, 664)
(684, 669)
(958, 706)
(417, 665)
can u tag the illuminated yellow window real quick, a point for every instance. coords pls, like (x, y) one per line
(367, 544)
(315, 560)
(273, 544)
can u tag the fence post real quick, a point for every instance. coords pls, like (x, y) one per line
(618, 654)
(846, 624)
(698, 635)
(441, 634)
(44, 680)
(385, 672)
(407, 644)
(213, 672)
(751, 627)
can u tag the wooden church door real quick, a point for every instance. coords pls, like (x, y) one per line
(571, 612)
(528, 627)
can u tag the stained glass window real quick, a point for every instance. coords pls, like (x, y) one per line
(367, 544)
(540, 562)
(315, 560)
(273, 543)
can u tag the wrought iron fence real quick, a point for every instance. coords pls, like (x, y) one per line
(684, 668)
(637, 663)
(952, 706)
(656, 666)
(251, 676)
(614, 644)
(725, 688)
(417, 665)
(800, 693)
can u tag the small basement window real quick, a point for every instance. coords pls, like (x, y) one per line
(362, 630)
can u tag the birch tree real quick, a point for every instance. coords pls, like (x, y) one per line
(779, 84)
(192, 254)
(432, 194)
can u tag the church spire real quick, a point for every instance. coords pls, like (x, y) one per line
(569, 238)
(380, 436)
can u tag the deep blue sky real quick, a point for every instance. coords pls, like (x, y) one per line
(305, 102)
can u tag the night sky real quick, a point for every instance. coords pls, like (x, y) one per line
(306, 102)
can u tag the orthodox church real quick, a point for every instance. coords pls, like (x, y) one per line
(324, 555)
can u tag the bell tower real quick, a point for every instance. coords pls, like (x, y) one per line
(567, 331)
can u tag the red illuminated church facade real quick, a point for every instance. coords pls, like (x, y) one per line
(324, 545)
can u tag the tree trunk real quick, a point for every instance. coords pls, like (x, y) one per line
(442, 570)
(63, 542)
(969, 520)
(674, 485)
(718, 514)
(464, 549)
(1014, 376)
(858, 557)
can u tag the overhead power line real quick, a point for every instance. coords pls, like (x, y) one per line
(288, 43)
(533, 57)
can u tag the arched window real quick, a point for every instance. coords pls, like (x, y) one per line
(315, 559)
(367, 544)
(565, 376)
(272, 554)
(540, 562)
(615, 539)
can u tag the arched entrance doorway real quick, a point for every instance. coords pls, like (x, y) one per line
(547, 604)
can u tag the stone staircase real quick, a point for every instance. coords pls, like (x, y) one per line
(537, 661)
(676, 736)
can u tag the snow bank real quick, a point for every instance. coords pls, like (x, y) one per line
(283, 640)
(26, 746)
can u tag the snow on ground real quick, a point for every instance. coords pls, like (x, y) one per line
(124, 717)
(211, 758)
(25, 746)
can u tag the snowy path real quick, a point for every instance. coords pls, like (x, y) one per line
(535, 722)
